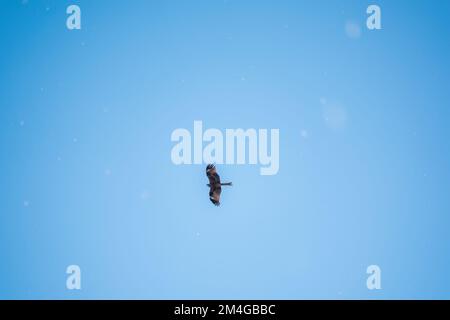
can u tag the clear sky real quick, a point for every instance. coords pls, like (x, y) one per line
(87, 177)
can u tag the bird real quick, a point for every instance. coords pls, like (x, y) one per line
(215, 186)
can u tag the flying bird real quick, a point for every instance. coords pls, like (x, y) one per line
(215, 187)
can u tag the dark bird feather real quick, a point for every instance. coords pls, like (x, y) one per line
(215, 186)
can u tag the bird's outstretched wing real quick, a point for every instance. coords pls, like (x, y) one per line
(214, 195)
(214, 182)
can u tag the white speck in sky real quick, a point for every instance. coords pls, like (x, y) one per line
(304, 134)
(335, 116)
(144, 195)
(352, 30)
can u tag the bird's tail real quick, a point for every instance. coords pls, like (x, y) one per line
(227, 184)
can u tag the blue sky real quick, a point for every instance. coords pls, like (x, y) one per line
(87, 178)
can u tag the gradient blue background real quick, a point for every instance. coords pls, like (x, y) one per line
(87, 179)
